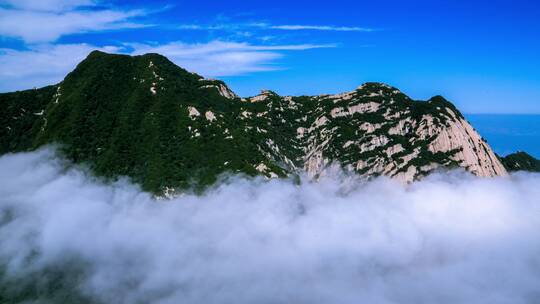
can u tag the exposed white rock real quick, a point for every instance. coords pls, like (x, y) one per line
(374, 142)
(359, 108)
(261, 168)
(226, 92)
(315, 163)
(369, 127)
(263, 96)
(407, 176)
(57, 95)
(222, 89)
(321, 121)
(475, 154)
(348, 143)
(193, 112)
(394, 149)
(258, 98)
(272, 145)
(210, 116)
(341, 96)
(336, 112)
(454, 134)
(300, 132)
(402, 127)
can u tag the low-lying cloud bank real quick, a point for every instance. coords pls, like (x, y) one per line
(450, 238)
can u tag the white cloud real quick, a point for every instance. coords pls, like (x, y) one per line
(220, 58)
(38, 26)
(41, 65)
(47, 5)
(320, 28)
(48, 20)
(206, 27)
(451, 238)
(262, 25)
(48, 64)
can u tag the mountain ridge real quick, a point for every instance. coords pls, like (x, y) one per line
(170, 129)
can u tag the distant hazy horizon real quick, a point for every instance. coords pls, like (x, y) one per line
(508, 133)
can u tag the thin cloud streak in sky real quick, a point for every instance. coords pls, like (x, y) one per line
(262, 25)
(451, 238)
(321, 28)
(221, 58)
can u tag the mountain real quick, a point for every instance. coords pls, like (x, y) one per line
(521, 161)
(169, 129)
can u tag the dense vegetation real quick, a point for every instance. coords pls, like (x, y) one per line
(106, 115)
(521, 161)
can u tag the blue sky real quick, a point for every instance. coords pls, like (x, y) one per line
(482, 55)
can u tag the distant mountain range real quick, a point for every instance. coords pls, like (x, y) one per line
(169, 129)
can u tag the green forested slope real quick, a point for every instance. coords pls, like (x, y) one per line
(521, 161)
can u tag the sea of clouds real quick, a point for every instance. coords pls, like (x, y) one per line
(450, 238)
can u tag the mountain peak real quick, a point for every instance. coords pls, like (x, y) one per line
(439, 101)
(96, 53)
(376, 86)
(267, 92)
(101, 55)
(438, 98)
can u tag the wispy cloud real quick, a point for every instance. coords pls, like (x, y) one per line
(48, 64)
(45, 21)
(267, 26)
(221, 58)
(206, 27)
(321, 28)
(46, 5)
(41, 65)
